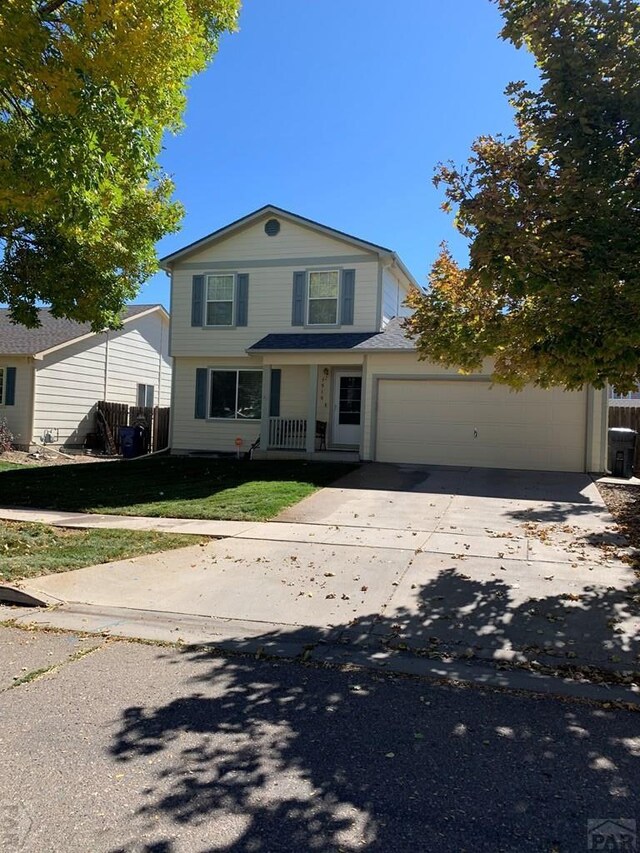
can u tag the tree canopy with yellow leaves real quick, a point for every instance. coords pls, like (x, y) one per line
(552, 213)
(87, 90)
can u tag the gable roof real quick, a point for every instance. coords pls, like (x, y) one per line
(272, 210)
(392, 338)
(53, 332)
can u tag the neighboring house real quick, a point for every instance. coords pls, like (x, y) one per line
(632, 399)
(279, 322)
(51, 377)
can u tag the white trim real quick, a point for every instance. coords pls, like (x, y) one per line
(270, 210)
(145, 394)
(3, 384)
(237, 371)
(233, 300)
(338, 374)
(318, 298)
(265, 213)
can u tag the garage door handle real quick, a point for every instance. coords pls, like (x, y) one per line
(475, 433)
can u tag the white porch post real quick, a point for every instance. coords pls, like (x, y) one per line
(311, 408)
(266, 399)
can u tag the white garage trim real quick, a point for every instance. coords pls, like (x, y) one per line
(533, 443)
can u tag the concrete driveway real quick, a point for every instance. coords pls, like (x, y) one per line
(471, 563)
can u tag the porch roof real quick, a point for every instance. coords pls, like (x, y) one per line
(312, 341)
(392, 338)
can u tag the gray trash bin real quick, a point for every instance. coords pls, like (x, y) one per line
(622, 451)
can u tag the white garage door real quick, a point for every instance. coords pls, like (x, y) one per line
(464, 422)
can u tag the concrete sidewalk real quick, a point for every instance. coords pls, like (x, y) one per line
(57, 518)
(456, 565)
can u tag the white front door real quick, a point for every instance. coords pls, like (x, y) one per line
(347, 400)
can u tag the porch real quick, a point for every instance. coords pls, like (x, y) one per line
(312, 411)
(316, 456)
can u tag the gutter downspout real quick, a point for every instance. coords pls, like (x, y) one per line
(160, 357)
(32, 413)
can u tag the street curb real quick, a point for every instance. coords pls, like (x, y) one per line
(312, 645)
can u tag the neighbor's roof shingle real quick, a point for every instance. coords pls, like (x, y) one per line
(18, 340)
(392, 338)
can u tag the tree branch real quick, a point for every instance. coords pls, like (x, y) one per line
(50, 7)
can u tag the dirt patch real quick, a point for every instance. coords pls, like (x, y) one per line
(623, 502)
(49, 456)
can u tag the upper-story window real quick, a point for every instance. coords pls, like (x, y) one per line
(324, 287)
(219, 310)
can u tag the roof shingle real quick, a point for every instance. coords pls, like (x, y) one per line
(19, 340)
(392, 338)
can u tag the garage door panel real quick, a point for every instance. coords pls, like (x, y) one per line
(471, 423)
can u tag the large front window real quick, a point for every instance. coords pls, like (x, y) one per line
(323, 298)
(236, 394)
(220, 300)
(2, 385)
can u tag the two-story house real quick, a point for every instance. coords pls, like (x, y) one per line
(288, 330)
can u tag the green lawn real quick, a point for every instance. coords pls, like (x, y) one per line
(9, 466)
(27, 550)
(170, 486)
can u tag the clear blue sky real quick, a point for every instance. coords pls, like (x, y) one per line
(339, 110)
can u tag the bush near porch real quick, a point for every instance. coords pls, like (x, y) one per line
(170, 487)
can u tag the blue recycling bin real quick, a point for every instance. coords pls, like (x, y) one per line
(128, 442)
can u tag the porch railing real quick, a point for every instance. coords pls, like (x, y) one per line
(287, 433)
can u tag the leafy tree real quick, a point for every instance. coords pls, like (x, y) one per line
(552, 213)
(87, 90)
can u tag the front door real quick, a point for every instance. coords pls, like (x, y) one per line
(347, 399)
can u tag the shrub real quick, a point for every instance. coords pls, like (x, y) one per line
(6, 437)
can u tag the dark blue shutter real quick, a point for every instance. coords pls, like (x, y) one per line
(347, 296)
(274, 396)
(242, 297)
(299, 288)
(201, 393)
(197, 296)
(10, 390)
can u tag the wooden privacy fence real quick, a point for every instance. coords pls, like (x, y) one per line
(155, 418)
(627, 416)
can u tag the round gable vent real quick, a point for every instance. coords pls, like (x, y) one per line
(272, 227)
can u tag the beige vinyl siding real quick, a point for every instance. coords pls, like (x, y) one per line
(190, 433)
(270, 288)
(270, 298)
(294, 389)
(294, 392)
(393, 295)
(293, 241)
(18, 416)
(71, 380)
(138, 353)
(69, 383)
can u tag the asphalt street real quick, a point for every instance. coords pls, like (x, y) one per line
(128, 747)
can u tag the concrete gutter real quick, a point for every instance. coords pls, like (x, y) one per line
(270, 640)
